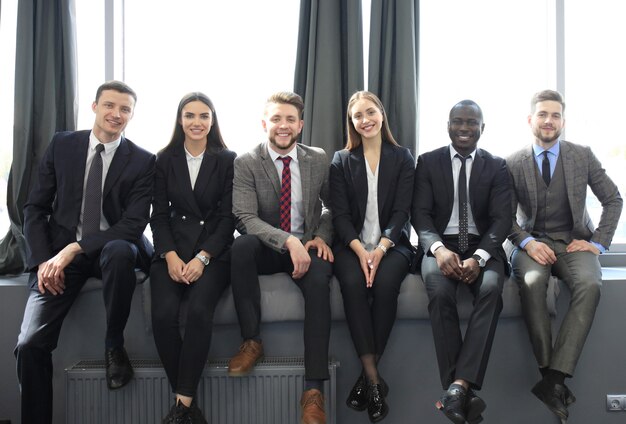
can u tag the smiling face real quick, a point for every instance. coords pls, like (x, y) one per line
(546, 123)
(367, 119)
(113, 111)
(283, 125)
(465, 127)
(196, 119)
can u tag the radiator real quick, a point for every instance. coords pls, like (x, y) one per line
(268, 395)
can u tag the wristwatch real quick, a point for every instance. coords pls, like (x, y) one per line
(204, 259)
(480, 260)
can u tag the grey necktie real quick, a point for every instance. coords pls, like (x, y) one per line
(462, 189)
(93, 194)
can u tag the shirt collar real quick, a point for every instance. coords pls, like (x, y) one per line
(453, 153)
(293, 154)
(108, 147)
(189, 156)
(538, 150)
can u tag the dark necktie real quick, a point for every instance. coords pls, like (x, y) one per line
(93, 194)
(545, 168)
(285, 196)
(462, 189)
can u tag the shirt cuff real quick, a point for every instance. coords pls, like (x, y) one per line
(601, 248)
(436, 245)
(483, 254)
(525, 242)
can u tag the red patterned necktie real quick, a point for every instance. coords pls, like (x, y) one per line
(285, 196)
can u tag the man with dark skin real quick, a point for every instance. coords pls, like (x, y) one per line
(460, 213)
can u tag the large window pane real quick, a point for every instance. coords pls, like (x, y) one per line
(236, 52)
(8, 17)
(595, 88)
(497, 53)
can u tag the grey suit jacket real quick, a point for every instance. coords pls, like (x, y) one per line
(256, 193)
(581, 168)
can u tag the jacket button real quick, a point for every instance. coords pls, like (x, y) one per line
(183, 217)
(201, 222)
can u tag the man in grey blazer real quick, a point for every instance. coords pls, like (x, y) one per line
(280, 192)
(554, 235)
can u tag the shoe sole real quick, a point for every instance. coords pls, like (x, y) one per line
(245, 373)
(558, 413)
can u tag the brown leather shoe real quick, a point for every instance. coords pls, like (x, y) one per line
(312, 403)
(250, 352)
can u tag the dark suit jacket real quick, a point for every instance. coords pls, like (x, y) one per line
(53, 208)
(186, 220)
(489, 199)
(581, 169)
(348, 194)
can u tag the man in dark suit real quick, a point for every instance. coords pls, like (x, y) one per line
(85, 217)
(461, 215)
(280, 192)
(554, 235)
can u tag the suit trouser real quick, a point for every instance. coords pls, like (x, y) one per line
(370, 324)
(582, 273)
(251, 258)
(458, 357)
(184, 357)
(44, 315)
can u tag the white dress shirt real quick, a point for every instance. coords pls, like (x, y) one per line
(370, 233)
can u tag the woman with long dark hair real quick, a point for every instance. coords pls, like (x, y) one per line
(192, 227)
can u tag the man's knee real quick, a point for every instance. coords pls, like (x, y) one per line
(244, 245)
(119, 251)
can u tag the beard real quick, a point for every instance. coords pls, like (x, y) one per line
(286, 146)
(546, 139)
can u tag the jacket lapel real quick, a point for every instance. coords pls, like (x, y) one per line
(304, 161)
(207, 169)
(445, 165)
(477, 169)
(385, 175)
(180, 169)
(119, 162)
(528, 168)
(358, 172)
(270, 169)
(566, 155)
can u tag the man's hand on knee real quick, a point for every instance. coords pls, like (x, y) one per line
(540, 252)
(299, 257)
(51, 275)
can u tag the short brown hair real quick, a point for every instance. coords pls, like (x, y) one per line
(287, 98)
(118, 86)
(546, 95)
(354, 138)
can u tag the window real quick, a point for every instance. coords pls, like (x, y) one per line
(495, 53)
(8, 17)
(237, 57)
(595, 90)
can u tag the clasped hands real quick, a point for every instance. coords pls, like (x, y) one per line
(181, 272)
(451, 266)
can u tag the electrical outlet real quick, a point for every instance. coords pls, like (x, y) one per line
(616, 403)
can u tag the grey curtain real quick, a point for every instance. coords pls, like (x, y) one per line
(329, 68)
(45, 102)
(393, 65)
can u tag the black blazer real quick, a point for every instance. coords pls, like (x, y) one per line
(489, 199)
(53, 208)
(186, 220)
(348, 194)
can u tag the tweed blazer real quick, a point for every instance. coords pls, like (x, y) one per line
(581, 169)
(256, 194)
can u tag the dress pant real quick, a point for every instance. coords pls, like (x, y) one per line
(44, 315)
(184, 355)
(463, 357)
(251, 258)
(370, 312)
(582, 273)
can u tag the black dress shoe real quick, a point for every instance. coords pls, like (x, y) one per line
(453, 403)
(475, 408)
(118, 369)
(359, 396)
(553, 396)
(569, 396)
(377, 408)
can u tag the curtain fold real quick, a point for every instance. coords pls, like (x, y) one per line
(329, 68)
(45, 102)
(393, 65)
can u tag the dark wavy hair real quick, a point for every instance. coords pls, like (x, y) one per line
(354, 138)
(215, 142)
